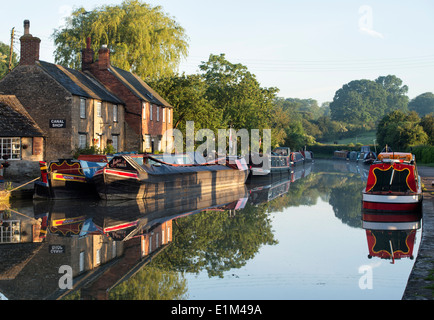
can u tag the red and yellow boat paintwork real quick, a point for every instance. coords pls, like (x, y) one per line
(393, 184)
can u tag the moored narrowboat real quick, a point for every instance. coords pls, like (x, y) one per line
(67, 179)
(278, 161)
(141, 177)
(296, 158)
(393, 184)
(307, 155)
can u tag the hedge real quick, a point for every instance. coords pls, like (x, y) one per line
(423, 154)
(327, 150)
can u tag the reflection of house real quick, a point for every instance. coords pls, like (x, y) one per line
(31, 270)
(20, 136)
(136, 253)
(71, 107)
(148, 115)
(80, 235)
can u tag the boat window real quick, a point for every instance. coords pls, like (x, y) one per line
(391, 180)
(138, 160)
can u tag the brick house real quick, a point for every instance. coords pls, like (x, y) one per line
(21, 139)
(148, 116)
(20, 136)
(72, 108)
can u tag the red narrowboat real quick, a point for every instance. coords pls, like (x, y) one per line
(393, 184)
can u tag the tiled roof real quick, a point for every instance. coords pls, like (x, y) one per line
(79, 83)
(139, 88)
(15, 120)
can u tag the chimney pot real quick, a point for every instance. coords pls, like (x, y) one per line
(87, 56)
(26, 27)
(104, 57)
(29, 46)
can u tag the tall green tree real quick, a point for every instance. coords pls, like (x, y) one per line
(237, 92)
(4, 59)
(427, 123)
(365, 102)
(187, 94)
(400, 130)
(396, 98)
(142, 39)
(359, 102)
(423, 104)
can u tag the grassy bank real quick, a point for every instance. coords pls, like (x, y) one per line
(424, 154)
(325, 151)
(365, 138)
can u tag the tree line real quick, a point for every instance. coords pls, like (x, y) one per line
(147, 41)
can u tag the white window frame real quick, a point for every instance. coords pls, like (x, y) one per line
(82, 141)
(81, 262)
(164, 114)
(115, 142)
(148, 141)
(115, 113)
(158, 113)
(10, 146)
(82, 108)
(99, 109)
(150, 111)
(98, 257)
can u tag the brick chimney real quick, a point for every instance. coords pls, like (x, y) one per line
(29, 46)
(103, 58)
(87, 56)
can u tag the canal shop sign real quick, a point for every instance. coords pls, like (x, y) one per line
(57, 123)
(56, 249)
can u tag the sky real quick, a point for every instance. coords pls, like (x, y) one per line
(306, 49)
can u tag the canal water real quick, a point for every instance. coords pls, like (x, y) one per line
(296, 236)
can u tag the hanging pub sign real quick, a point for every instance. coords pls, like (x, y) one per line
(57, 123)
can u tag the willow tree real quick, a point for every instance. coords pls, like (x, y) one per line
(142, 39)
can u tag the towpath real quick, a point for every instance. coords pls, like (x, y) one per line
(420, 285)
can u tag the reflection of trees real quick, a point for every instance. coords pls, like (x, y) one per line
(346, 201)
(216, 241)
(152, 283)
(342, 190)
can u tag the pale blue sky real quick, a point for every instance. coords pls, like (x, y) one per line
(307, 49)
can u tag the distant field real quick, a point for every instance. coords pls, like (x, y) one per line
(366, 138)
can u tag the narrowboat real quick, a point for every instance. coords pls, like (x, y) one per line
(393, 184)
(278, 161)
(369, 158)
(340, 154)
(391, 236)
(68, 178)
(307, 155)
(296, 158)
(145, 176)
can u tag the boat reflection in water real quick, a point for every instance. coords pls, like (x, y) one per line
(102, 243)
(391, 235)
(210, 255)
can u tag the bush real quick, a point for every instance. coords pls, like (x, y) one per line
(423, 154)
(327, 150)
